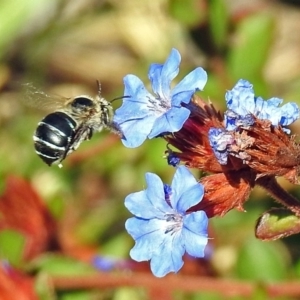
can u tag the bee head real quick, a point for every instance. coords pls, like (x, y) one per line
(82, 103)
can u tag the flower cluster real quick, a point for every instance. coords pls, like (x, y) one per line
(249, 145)
(243, 108)
(245, 105)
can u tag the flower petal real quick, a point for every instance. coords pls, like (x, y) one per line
(194, 81)
(241, 98)
(148, 235)
(168, 256)
(156, 194)
(134, 118)
(194, 233)
(283, 116)
(190, 197)
(182, 182)
(290, 113)
(135, 105)
(149, 203)
(171, 121)
(182, 97)
(136, 131)
(139, 205)
(154, 75)
(162, 75)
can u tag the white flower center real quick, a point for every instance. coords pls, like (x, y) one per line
(174, 223)
(159, 105)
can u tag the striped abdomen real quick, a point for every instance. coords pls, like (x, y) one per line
(53, 137)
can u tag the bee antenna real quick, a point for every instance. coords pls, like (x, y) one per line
(99, 86)
(99, 92)
(118, 98)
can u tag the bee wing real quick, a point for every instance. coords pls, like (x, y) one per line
(36, 98)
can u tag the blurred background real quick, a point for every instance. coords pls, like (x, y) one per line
(55, 221)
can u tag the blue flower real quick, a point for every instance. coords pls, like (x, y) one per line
(104, 263)
(143, 115)
(172, 158)
(220, 139)
(233, 120)
(242, 101)
(162, 229)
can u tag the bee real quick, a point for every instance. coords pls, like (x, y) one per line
(73, 121)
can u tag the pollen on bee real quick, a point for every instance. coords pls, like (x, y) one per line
(60, 166)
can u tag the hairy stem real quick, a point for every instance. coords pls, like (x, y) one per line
(279, 194)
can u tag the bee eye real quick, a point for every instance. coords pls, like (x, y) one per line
(82, 102)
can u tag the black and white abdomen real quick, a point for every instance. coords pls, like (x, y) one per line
(53, 137)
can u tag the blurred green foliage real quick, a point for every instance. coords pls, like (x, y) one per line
(63, 47)
(11, 246)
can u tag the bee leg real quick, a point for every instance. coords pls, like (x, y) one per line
(89, 134)
(115, 128)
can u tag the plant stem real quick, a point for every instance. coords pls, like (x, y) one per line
(270, 184)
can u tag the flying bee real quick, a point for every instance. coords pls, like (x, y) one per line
(73, 121)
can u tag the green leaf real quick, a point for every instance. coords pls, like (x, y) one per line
(118, 246)
(45, 291)
(256, 256)
(218, 19)
(297, 268)
(277, 223)
(93, 227)
(12, 246)
(250, 46)
(61, 265)
(13, 16)
(81, 295)
(187, 11)
(207, 296)
(44, 287)
(127, 293)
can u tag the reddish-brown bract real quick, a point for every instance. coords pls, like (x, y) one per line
(260, 150)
